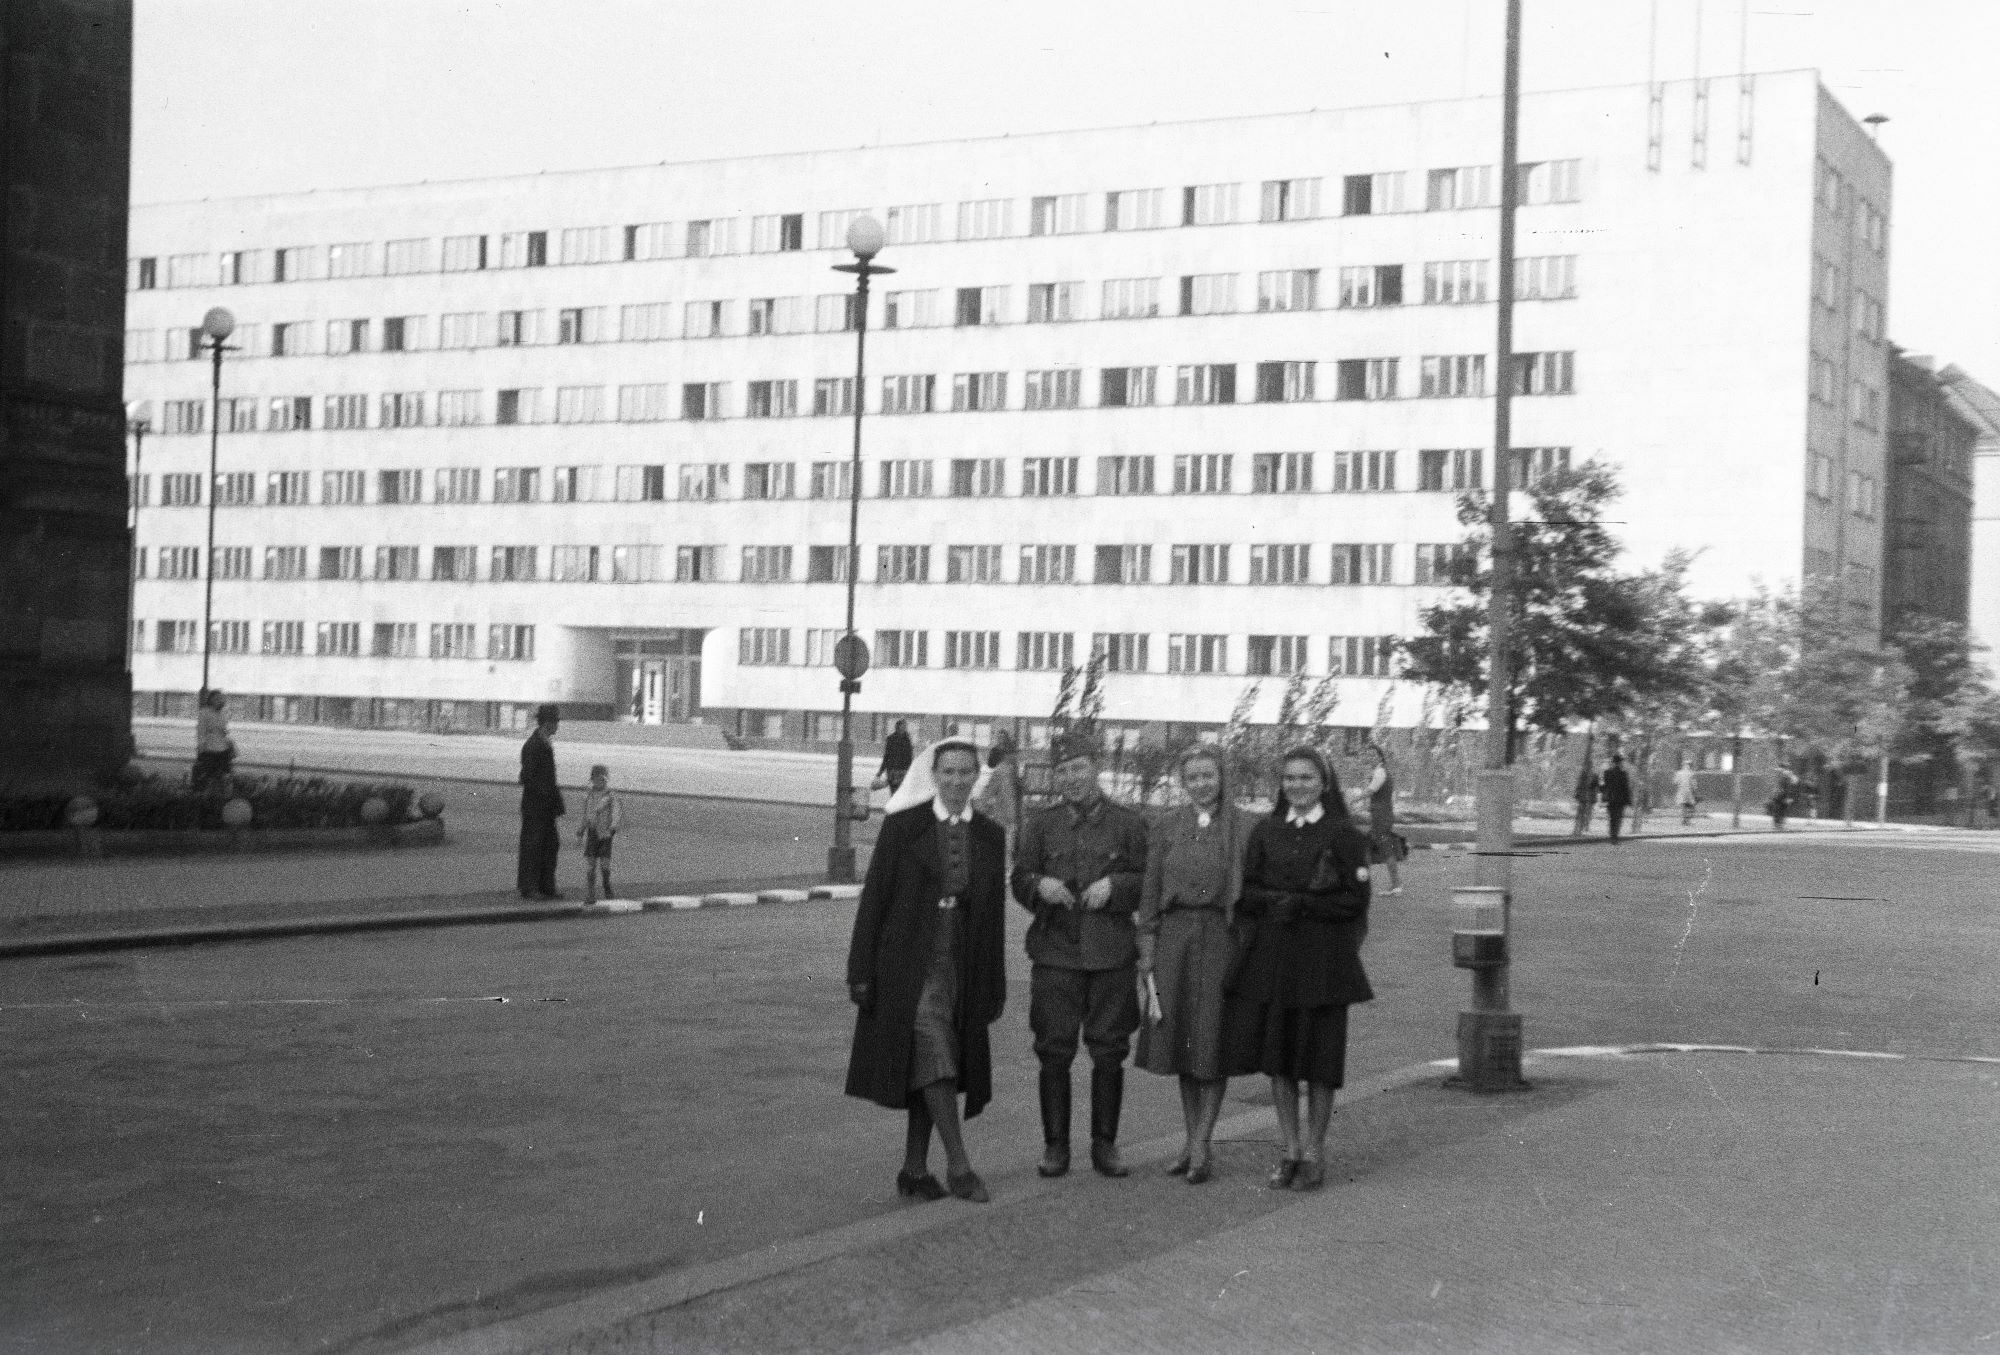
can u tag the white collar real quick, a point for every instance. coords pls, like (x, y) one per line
(946, 816)
(1313, 815)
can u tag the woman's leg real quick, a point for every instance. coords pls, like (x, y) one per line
(917, 1137)
(941, 1100)
(1319, 1112)
(1285, 1099)
(1191, 1118)
(1208, 1109)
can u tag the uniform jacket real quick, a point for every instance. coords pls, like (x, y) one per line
(1107, 841)
(1304, 914)
(891, 952)
(540, 795)
(1617, 787)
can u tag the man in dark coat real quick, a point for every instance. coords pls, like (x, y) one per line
(1079, 868)
(927, 966)
(897, 756)
(1617, 793)
(541, 805)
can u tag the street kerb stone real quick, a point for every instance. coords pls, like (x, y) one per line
(782, 896)
(615, 906)
(730, 899)
(673, 901)
(834, 893)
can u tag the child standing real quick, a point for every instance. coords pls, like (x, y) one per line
(602, 817)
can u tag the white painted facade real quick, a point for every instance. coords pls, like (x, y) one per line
(1696, 317)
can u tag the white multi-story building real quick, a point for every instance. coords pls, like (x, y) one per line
(1200, 394)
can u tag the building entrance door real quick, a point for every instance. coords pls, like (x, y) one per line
(659, 677)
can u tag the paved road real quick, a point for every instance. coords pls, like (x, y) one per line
(344, 1143)
(668, 841)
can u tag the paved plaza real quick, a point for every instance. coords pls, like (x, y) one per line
(353, 1143)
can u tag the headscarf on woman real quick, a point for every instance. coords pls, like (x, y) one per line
(918, 784)
(1334, 803)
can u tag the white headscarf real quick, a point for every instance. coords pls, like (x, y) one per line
(917, 784)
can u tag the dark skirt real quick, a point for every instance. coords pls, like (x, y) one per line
(934, 1033)
(1308, 1044)
(1190, 962)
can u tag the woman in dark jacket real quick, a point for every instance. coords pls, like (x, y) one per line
(1304, 907)
(927, 965)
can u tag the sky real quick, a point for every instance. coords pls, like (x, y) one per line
(235, 97)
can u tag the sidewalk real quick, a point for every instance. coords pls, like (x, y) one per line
(1683, 1199)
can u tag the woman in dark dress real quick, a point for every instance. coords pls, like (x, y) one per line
(927, 965)
(1194, 870)
(1304, 912)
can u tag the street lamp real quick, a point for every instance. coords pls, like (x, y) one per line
(850, 658)
(136, 425)
(217, 325)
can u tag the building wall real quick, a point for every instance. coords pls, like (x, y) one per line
(1692, 328)
(65, 96)
(1927, 566)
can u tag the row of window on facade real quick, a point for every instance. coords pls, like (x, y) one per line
(1439, 376)
(1346, 564)
(1217, 204)
(1053, 651)
(1865, 312)
(1864, 398)
(1447, 282)
(1439, 470)
(1863, 492)
(1846, 203)
(340, 639)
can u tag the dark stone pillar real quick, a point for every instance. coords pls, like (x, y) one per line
(65, 556)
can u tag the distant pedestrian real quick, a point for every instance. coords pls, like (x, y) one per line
(999, 794)
(1385, 845)
(214, 750)
(603, 816)
(897, 755)
(1079, 870)
(541, 805)
(1784, 784)
(1305, 911)
(1684, 792)
(927, 966)
(1587, 787)
(1187, 908)
(1617, 785)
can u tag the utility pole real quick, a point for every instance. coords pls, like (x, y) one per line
(1489, 1035)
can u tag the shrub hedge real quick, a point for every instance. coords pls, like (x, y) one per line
(144, 800)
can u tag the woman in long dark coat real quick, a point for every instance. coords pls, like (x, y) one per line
(1194, 871)
(927, 965)
(1305, 911)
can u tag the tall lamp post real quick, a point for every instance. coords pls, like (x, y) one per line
(1489, 1035)
(850, 655)
(136, 426)
(216, 326)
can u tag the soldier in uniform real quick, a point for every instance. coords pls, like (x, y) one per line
(1079, 868)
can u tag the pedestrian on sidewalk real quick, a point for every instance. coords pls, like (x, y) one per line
(1684, 792)
(1783, 784)
(1587, 787)
(214, 750)
(927, 966)
(896, 758)
(1079, 870)
(1187, 906)
(1617, 793)
(1385, 844)
(541, 805)
(999, 794)
(1305, 909)
(603, 816)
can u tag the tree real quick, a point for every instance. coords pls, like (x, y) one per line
(1588, 642)
(1079, 703)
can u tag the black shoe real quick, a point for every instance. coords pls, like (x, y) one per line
(1180, 1167)
(1200, 1172)
(1104, 1157)
(1281, 1176)
(967, 1186)
(1055, 1160)
(554, 895)
(1311, 1176)
(918, 1186)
